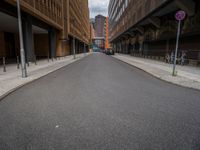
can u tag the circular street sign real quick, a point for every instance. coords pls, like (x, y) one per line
(180, 15)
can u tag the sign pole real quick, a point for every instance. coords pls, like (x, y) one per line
(177, 44)
(180, 15)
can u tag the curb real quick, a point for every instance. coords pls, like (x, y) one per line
(155, 76)
(28, 82)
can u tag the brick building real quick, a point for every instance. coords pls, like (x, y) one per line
(99, 25)
(148, 27)
(48, 27)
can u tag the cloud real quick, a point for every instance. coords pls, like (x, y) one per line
(98, 7)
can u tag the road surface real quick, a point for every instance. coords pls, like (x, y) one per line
(100, 103)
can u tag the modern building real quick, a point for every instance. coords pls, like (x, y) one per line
(148, 27)
(106, 30)
(48, 28)
(79, 24)
(99, 25)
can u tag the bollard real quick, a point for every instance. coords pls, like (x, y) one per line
(17, 62)
(4, 64)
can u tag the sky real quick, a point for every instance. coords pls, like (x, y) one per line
(98, 7)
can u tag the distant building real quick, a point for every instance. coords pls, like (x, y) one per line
(106, 30)
(99, 25)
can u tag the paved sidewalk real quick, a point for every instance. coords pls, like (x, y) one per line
(188, 76)
(11, 79)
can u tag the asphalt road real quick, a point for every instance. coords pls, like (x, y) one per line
(100, 103)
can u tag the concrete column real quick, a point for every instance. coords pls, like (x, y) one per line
(52, 42)
(133, 48)
(120, 49)
(129, 48)
(124, 48)
(82, 47)
(141, 48)
(79, 45)
(76, 43)
(167, 46)
(71, 46)
(145, 48)
(115, 47)
(28, 39)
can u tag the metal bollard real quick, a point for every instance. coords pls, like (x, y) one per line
(4, 64)
(17, 62)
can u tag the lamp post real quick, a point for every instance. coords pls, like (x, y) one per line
(22, 53)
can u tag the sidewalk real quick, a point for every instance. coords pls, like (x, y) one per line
(11, 79)
(188, 76)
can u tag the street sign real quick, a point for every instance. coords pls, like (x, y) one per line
(180, 15)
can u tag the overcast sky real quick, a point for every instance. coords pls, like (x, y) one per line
(98, 7)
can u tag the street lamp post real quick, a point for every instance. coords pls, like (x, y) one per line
(22, 53)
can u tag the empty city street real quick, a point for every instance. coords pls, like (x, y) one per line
(100, 103)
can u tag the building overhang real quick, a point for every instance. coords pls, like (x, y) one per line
(10, 24)
(153, 18)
